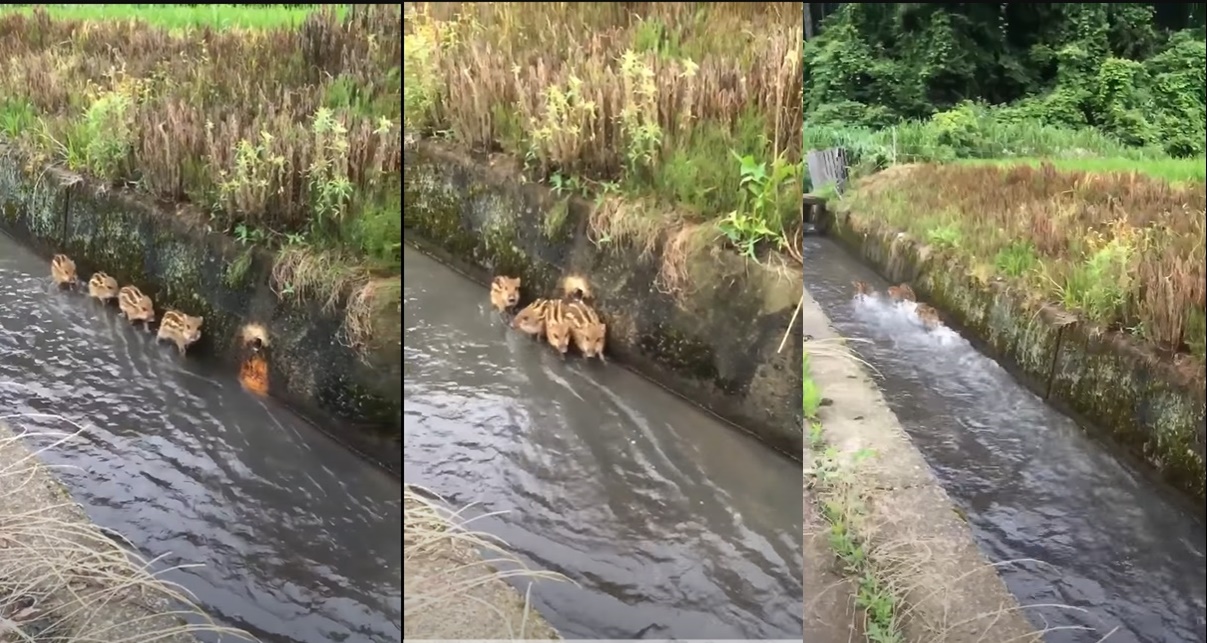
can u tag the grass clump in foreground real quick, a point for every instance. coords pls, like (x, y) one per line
(694, 107)
(63, 579)
(841, 507)
(449, 587)
(1123, 250)
(285, 136)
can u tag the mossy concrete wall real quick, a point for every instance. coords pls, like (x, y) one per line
(1144, 402)
(717, 344)
(172, 255)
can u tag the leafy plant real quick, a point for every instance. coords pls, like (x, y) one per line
(760, 191)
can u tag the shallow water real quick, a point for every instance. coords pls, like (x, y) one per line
(299, 538)
(673, 524)
(1117, 550)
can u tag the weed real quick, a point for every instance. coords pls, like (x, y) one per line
(236, 270)
(17, 117)
(105, 137)
(1016, 259)
(555, 218)
(843, 512)
(811, 396)
(944, 236)
(330, 188)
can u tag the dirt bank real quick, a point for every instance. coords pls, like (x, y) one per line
(63, 578)
(907, 524)
(450, 592)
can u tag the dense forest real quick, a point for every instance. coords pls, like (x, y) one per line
(1134, 72)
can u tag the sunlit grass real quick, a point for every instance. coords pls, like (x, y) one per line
(1193, 170)
(218, 16)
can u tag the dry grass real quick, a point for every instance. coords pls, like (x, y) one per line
(652, 100)
(435, 533)
(1124, 250)
(671, 64)
(370, 308)
(370, 304)
(288, 131)
(64, 579)
(682, 244)
(892, 563)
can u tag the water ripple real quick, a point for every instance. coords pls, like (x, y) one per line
(672, 524)
(299, 544)
(1033, 484)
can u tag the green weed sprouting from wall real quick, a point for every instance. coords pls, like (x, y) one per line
(757, 218)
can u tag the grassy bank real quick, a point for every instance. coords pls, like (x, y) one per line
(682, 119)
(1124, 250)
(64, 579)
(282, 127)
(450, 591)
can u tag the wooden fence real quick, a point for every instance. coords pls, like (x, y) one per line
(827, 169)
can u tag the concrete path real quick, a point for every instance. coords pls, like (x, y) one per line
(952, 594)
(830, 612)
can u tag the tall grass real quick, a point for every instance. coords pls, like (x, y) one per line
(284, 136)
(692, 107)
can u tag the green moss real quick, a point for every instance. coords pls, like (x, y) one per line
(434, 214)
(118, 245)
(680, 352)
(235, 275)
(555, 220)
(1176, 442)
(501, 250)
(1196, 333)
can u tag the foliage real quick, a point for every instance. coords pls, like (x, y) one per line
(1062, 79)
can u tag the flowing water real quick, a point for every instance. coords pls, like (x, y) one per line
(674, 525)
(299, 538)
(1115, 549)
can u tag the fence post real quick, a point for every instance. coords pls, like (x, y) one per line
(826, 167)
